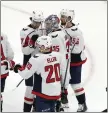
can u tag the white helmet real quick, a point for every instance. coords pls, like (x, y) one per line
(44, 42)
(37, 16)
(68, 13)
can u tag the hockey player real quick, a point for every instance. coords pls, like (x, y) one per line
(77, 57)
(28, 37)
(7, 55)
(49, 70)
(58, 36)
(59, 40)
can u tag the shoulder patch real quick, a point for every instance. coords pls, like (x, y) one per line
(74, 29)
(24, 29)
(55, 36)
(35, 56)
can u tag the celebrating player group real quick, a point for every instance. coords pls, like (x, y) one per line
(53, 56)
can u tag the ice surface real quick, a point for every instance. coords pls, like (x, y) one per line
(92, 16)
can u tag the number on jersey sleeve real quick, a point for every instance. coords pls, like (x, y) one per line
(55, 48)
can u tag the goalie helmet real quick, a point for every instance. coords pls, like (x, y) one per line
(51, 23)
(37, 16)
(44, 43)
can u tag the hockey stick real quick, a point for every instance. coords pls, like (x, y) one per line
(19, 83)
(63, 87)
(67, 63)
(14, 88)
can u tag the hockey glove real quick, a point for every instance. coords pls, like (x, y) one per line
(64, 94)
(64, 90)
(32, 41)
(16, 68)
(9, 64)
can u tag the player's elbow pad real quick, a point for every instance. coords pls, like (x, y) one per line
(27, 50)
(10, 55)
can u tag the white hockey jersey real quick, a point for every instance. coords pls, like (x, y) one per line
(76, 44)
(25, 35)
(6, 54)
(58, 42)
(49, 71)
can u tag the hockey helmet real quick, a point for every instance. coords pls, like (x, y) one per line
(37, 16)
(44, 43)
(67, 13)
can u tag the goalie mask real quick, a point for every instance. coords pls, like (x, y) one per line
(51, 23)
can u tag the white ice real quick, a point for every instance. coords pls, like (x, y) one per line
(92, 16)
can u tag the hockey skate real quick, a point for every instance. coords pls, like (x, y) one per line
(58, 107)
(82, 108)
(64, 100)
